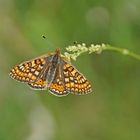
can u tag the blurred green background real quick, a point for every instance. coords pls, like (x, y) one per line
(113, 112)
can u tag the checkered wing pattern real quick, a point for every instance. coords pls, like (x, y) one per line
(29, 72)
(57, 87)
(53, 72)
(75, 82)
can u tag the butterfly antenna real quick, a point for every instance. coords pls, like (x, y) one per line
(44, 36)
(48, 42)
(75, 42)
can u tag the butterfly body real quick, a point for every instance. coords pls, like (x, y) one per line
(52, 72)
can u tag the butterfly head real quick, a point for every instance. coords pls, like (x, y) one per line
(57, 52)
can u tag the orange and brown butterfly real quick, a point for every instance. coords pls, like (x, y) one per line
(52, 72)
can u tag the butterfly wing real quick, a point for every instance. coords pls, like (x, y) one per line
(66, 79)
(57, 87)
(75, 82)
(40, 82)
(29, 72)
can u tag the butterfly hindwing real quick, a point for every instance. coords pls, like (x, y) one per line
(57, 87)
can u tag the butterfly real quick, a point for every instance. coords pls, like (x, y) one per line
(53, 72)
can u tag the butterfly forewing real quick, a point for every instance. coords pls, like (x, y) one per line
(75, 82)
(29, 71)
(41, 80)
